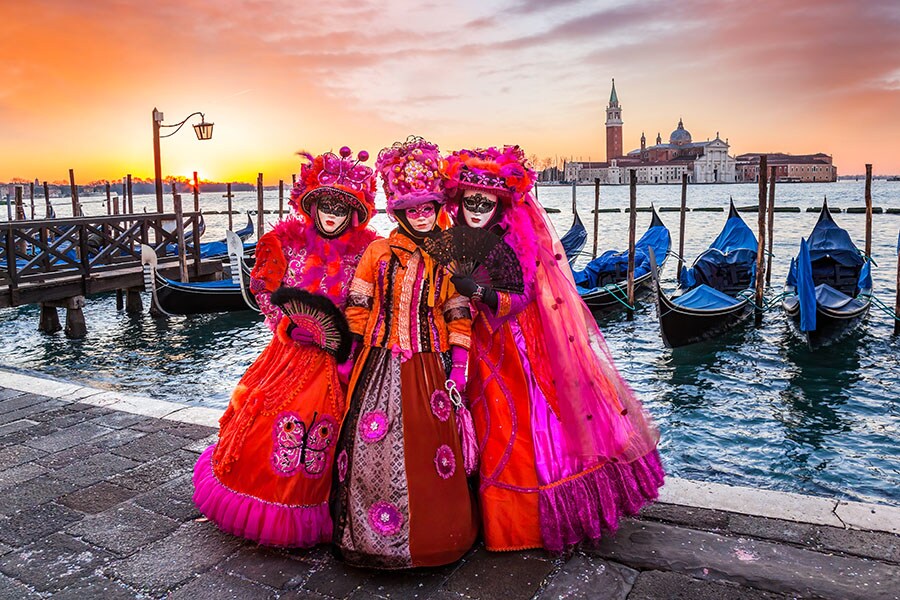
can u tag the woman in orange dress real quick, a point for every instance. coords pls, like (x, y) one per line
(401, 497)
(268, 477)
(565, 448)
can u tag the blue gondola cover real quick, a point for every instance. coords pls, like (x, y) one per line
(704, 297)
(806, 288)
(611, 261)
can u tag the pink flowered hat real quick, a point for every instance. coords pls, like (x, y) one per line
(504, 172)
(411, 173)
(330, 174)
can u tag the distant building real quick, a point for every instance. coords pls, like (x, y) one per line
(805, 168)
(703, 162)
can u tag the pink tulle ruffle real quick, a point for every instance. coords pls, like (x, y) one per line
(266, 523)
(585, 506)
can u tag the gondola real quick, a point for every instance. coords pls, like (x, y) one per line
(574, 239)
(176, 298)
(828, 290)
(219, 248)
(713, 294)
(602, 281)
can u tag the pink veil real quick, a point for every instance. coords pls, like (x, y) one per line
(600, 415)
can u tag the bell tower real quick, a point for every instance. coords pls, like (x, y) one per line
(613, 126)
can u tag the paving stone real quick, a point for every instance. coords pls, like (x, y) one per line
(163, 565)
(124, 528)
(99, 411)
(63, 418)
(652, 585)
(28, 412)
(6, 393)
(151, 446)
(416, 583)
(114, 419)
(96, 468)
(871, 544)
(33, 492)
(21, 436)
(16, 455)
(190, 430)
(777, 530)
(4, 549)
(95, 586)
(20, 401)
(158, 472)
(15, 426)
(266, 566)
(336, 579)
(97, 498)
(68, 437)
(198, 446)
(20, 473)
(759, 564)
(69, 456)
(53, 563)
(173, 499)
(34, 523)
(303, 595)
(698, 518)
(215, 585)
(151, 425)
(362, 594)
(9, 588)
(585, 576)
(501, 575)
(119, 437)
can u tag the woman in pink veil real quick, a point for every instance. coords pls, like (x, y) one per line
(566, 449)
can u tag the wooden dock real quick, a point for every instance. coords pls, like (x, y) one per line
(58, 262)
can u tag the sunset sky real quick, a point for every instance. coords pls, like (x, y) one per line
(78, 80)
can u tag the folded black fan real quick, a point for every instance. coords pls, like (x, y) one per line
(318, 318)
(479, 254)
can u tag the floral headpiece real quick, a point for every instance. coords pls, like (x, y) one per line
(329, 174)
(411, 173)
(504, 172)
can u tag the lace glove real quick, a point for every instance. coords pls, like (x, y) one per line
(466, 286)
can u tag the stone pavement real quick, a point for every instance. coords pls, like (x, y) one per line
(95, 502)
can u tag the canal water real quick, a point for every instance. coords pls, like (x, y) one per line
(751, 408)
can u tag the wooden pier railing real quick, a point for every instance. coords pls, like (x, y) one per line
(56, 262)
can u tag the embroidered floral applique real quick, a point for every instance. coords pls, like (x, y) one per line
(385, 518)
(445, 462)
(373, 426)
(440, 405)
(298, 446)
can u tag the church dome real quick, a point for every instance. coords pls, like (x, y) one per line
(680, 135)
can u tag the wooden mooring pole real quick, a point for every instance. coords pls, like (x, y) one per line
(48, 207)
(868, 211)
(130, 194)
(596, 214)
(632, 225)
(179, 232)
(761, 233)
(259, 206)
(574, 196)
(772, 177)
(280, 198)
(74, 191)
(196, 194)
(229, 196)
(684, 182)
(108, 199)
(31, 192)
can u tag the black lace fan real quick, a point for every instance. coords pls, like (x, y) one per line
(321, 321)
(479, 254)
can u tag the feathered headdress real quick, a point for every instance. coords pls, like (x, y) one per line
(341, 175)
(411, 173)
(504, 172)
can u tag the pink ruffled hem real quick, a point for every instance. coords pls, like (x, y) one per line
(584, 506)
(266, 523)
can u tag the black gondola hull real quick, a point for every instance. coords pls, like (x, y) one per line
(682, 326)
(604, 300)
(178, 299)
(831, 325)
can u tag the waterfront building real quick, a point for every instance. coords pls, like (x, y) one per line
(801, 168)
(703, 162)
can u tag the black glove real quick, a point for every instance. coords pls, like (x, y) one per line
(466, 286)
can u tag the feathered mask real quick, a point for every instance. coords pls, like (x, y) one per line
(505, 172)
(351, 181)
